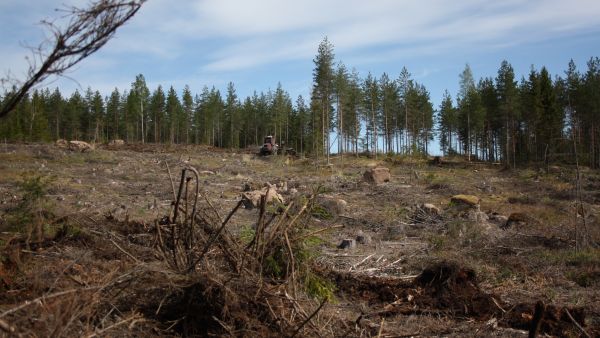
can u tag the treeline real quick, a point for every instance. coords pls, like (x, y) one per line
(160, 116)
(538, 118)
(396, 114)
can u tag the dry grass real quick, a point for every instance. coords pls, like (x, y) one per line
(106, 261)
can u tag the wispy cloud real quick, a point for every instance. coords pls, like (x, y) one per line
(200, 40)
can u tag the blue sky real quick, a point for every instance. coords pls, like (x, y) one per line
(257, 44)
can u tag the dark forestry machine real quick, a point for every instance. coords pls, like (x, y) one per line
(269, 146)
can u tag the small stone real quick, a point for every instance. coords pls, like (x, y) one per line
(431, 209)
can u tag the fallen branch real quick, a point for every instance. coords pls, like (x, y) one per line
(124, 251)
(317, 231)
(359, 263)
(6, 327)
(39, 300)
(309, 318)
(133, 318)
(577, 324)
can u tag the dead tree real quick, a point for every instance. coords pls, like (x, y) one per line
(86, 31)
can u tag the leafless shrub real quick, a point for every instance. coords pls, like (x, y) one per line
(87, 30)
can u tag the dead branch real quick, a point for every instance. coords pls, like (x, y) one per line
(39, 300)
(133, 318)
(577, 324)
(309, 318)
(88, 29)
(6, 327)
(171, 179)
(215, 236)
(124, 251)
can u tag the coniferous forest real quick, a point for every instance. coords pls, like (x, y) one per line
(539, 117)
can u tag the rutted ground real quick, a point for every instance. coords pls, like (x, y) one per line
(405, 226)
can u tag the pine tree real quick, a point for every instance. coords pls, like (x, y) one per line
(404, 84)
(492, 123)
(506, 88)
(303, 116)
(232, 132)
(140, 101)
(448, 123)
(56, 106)
(157, 111)
(371, 107)
(425, 109)
(531, 111)
(38, 124)
(173, 112)
(72, 122)
(551, 116)
(389, 110)
(113, 118)
(590, 107)
(353, 110)
(321, 98)
(341, 85)
(188, 112)
(98, 116)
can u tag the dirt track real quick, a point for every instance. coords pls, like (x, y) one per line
(496, 277)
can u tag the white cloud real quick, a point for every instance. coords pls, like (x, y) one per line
(282, 30)
(236, 35)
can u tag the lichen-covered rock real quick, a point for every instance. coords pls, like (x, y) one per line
(519, 220)
(377, 175)
(80, 146)
(62, 143)
(335, 206)
(466, 200)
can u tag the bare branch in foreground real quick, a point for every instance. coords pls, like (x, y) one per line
(86, 32)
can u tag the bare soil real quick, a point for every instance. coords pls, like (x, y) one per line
(461, 272)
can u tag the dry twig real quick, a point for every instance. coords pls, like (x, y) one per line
(86, 32)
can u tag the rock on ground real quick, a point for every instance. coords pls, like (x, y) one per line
(335, 206)
(466, 200)
(80, 146)
(252, 198)
(62, 143)
(116, 143)
(431, 209)
(377, 175)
